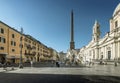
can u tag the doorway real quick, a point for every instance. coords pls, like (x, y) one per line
(109, 55)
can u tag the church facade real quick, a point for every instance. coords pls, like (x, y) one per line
(108, 47)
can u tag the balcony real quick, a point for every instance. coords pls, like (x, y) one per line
(33, 53)
(29, 47)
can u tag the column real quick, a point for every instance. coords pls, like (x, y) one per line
(114, 50)
(96, 53)
(119, 49)
(105, 52)
(111, 50)
(99, 53)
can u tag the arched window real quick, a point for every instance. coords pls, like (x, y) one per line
(13, 36)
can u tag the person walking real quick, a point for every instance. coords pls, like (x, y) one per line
(57, 64)
(31, 63)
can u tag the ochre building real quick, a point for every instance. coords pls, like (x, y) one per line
(10, 46)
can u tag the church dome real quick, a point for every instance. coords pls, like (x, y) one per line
(117, 9)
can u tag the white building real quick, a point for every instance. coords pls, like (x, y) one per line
(108, 47)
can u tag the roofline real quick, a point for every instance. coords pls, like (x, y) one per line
(10, 27)
(24, 34)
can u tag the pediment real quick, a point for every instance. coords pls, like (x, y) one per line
(90, 44)
(105, 39)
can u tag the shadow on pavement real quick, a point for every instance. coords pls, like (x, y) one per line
(55, 78)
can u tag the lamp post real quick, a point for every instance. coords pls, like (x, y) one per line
(20, 64)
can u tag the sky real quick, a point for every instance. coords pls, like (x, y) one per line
(49, 20)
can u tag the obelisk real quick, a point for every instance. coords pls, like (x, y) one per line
(72, 46)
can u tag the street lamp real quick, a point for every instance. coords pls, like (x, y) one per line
(20, 64)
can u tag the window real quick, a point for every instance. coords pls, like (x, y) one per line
(26, 39)
(2, 31)
(20, 38)
(29, 41)
(13, 43)
(13, 50)
(116, 24)
(13, 36)
(2, 40)
(1, 48)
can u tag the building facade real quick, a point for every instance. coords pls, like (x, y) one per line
(108, 47)
(54, 55)
(10, 46)
(62, 56)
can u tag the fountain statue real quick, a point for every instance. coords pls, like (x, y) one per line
(73, 58)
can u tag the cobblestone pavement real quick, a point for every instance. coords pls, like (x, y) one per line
(93, 74)
(107, 70)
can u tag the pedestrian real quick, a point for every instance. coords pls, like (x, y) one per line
(31, 63)
(115, 64)
(5, 66)
(89, 63)
(57, 64)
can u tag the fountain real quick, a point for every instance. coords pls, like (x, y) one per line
(72, 56)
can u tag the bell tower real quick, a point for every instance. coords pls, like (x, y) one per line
(96, 32)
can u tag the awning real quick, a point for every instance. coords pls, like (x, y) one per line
(13, 57)
(3, 53)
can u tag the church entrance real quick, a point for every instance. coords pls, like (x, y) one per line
(101, 57)
(109, 55)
